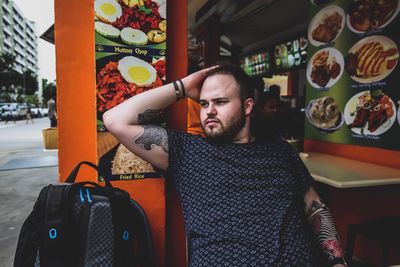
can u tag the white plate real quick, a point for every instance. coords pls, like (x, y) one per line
(351, 107)
(333, 52)
(398, 115)
(319, 18)
(386, 43)
(327, 130)
(396, 12)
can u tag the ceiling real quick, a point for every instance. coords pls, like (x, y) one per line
(257, 24)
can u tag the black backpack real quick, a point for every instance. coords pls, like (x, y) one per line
(85, 226)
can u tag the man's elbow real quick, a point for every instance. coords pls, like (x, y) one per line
(110, 122)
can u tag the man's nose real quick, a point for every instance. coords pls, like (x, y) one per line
(211, 110)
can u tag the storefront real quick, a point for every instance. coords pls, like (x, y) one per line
(358, 175)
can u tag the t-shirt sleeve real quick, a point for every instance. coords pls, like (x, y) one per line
(303, 177)
(175, 150)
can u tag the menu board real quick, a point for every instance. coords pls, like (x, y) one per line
(353, 93)
(257, 64)
(290, 54)
(130, 38)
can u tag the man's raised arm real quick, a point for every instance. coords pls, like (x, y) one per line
(130, 121)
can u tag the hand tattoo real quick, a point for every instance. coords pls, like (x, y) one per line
(148, 115)
(153, 135)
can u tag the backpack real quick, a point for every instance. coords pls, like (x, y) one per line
(85, 225)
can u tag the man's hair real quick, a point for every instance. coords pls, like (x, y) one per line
(246, 85)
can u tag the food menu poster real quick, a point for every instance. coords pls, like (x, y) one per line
(130, 46)
(353, 92)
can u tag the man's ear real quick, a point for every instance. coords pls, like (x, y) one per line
(248, 106)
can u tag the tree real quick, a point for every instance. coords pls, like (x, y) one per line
(49, 90)
(30, 82)
(7, 62)
(14, 85)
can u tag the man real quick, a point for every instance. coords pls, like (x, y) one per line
(243, 201)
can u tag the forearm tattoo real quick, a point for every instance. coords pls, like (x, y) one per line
(325, 231)
(148, 115)
(153, 135)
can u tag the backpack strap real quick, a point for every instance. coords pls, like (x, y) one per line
(29, 237)
(123, 221)
(145, 252)
(55, 236)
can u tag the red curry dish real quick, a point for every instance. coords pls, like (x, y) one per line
(143, 17)
(112, 89)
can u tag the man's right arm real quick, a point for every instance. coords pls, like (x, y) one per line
(130, 121)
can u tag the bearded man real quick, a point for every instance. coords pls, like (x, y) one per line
(245, 202)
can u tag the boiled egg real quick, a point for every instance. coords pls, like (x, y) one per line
(137, 71)
(107, 10)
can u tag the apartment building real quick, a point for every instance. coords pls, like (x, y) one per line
(18, 36)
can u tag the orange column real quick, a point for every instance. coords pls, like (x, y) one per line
(76, 83)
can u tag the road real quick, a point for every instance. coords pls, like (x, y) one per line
(25, 167)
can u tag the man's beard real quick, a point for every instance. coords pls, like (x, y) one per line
(226, 133)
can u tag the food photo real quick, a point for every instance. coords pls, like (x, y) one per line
(325, 68)
(370, 15)
(370, 113)
(120, 79)
(326, 25)
(372, 59)
(132, 22)
(324, 114)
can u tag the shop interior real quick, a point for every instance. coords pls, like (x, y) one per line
(268, 38)
(268, 46)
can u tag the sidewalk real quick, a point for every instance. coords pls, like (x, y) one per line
(24, 169)
(18, 192)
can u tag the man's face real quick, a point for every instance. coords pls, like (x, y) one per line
(222, 113)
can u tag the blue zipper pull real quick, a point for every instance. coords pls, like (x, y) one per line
(88, 195)
(81, 195)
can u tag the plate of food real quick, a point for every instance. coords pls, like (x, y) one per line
(118, 80)
(132, 22)
(324, 114)
(370, 113)
(326, 25)
(370, 15)
(325, 68)
(372, 59)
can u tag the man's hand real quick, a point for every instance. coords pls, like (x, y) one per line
(194, 82)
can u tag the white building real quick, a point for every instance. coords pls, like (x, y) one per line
(18, 36)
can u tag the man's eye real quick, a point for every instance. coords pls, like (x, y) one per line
(203, 104)
(221, 102)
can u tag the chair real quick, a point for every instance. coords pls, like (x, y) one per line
(385, 230)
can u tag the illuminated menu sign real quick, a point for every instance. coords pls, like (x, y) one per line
(290, 54)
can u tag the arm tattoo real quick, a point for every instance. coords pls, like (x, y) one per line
(153, 135)
(325, 231)
(148, 115)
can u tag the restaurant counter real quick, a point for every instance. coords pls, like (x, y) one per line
(346, 173)
(356, 192)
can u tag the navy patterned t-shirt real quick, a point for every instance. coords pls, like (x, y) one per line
(242, 203)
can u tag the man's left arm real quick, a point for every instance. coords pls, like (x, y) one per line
(324, 228)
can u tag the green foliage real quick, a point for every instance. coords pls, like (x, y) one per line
(49, 90)
(14, 86)
(32, 100)
(7, 62)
